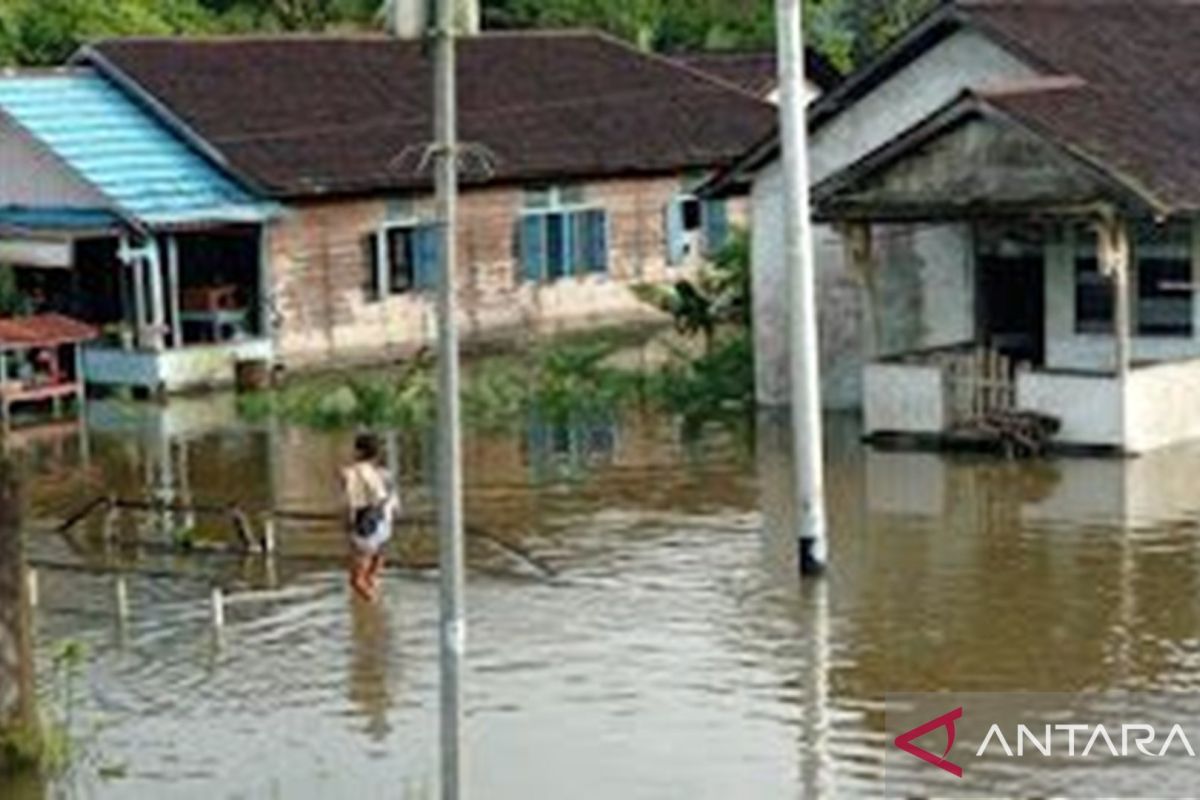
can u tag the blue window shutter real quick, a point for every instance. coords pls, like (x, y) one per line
(533, 247)
(597, 240)
(427, 257)
(716, 225)
(558, 245)
(676, 240)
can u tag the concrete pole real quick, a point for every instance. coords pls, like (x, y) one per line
(805, 367)
(449, 488)
(158, 310)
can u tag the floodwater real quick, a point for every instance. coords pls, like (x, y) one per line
(675, 654)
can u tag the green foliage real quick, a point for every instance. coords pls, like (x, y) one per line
(718, 384)
(719, 295)
(47, 744)
(42, 32)
(39, 32)
(11, 301)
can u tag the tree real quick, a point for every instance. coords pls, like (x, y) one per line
(45, 32)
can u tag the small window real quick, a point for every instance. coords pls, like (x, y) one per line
(554, 196)
(693, 215)
(1164, 277)
(1093, 289)
(401, 260)
(405, 258)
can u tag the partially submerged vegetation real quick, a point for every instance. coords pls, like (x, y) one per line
(568, 378)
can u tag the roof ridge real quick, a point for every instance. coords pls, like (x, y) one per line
(372, 36)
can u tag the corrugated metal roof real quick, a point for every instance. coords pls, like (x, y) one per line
(148, 172)
(44, 330)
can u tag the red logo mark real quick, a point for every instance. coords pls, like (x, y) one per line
(905, 742)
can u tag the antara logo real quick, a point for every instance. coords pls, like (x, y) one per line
(905, 742)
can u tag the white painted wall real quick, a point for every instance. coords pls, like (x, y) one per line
(1088, 406)
(933, 266)
(1164, 406)
(32, 176)
(904, 398)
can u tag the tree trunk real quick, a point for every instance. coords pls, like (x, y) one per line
(17, 711)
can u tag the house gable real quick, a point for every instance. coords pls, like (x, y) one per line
(963, 59)
(34, 177)
(967, 161)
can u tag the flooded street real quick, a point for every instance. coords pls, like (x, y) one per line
(675, 654)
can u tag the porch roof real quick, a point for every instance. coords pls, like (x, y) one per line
(990, 153)
(149, 176)
(45, 330)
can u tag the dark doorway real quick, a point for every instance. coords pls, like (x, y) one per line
(1012, 292)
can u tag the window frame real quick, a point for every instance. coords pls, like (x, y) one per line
(566, 203)
(384, 277)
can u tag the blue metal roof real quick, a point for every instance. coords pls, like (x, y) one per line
(148, 172)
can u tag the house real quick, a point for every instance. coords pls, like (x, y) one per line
(757, 72)
(274, 198)
(1014, 190)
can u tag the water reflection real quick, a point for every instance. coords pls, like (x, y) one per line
(678, 653)
(369, 667)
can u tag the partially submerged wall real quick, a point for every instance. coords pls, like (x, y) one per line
(320, 262)
(927, 278)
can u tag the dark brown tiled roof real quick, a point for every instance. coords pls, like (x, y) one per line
(303, 116)
(1136, 113)
(758, 73)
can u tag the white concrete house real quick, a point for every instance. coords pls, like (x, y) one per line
(1015, 194)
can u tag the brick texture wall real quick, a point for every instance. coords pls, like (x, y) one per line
(320, 262)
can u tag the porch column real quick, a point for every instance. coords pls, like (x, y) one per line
(158, 312)
(1113, 237)
(860, 258)
(266, 323)
(138, 267)
(173, 291)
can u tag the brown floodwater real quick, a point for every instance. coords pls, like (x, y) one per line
(675, 653)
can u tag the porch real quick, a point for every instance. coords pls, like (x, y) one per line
(1079, 299)
(176, 310)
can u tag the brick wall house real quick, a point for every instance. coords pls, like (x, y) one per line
(332, 298)
(586, 151)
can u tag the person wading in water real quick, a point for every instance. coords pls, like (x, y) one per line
(372, 503)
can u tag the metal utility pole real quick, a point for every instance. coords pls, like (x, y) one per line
(807, 445)
(449, 488)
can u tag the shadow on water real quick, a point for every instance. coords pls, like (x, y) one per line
(676, 653)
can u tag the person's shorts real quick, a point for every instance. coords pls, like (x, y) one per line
(371, 545)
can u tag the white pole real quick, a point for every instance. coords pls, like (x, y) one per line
(122, 598)
(218, 609)
(31, 578)
(449, 487)
(805, 367)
